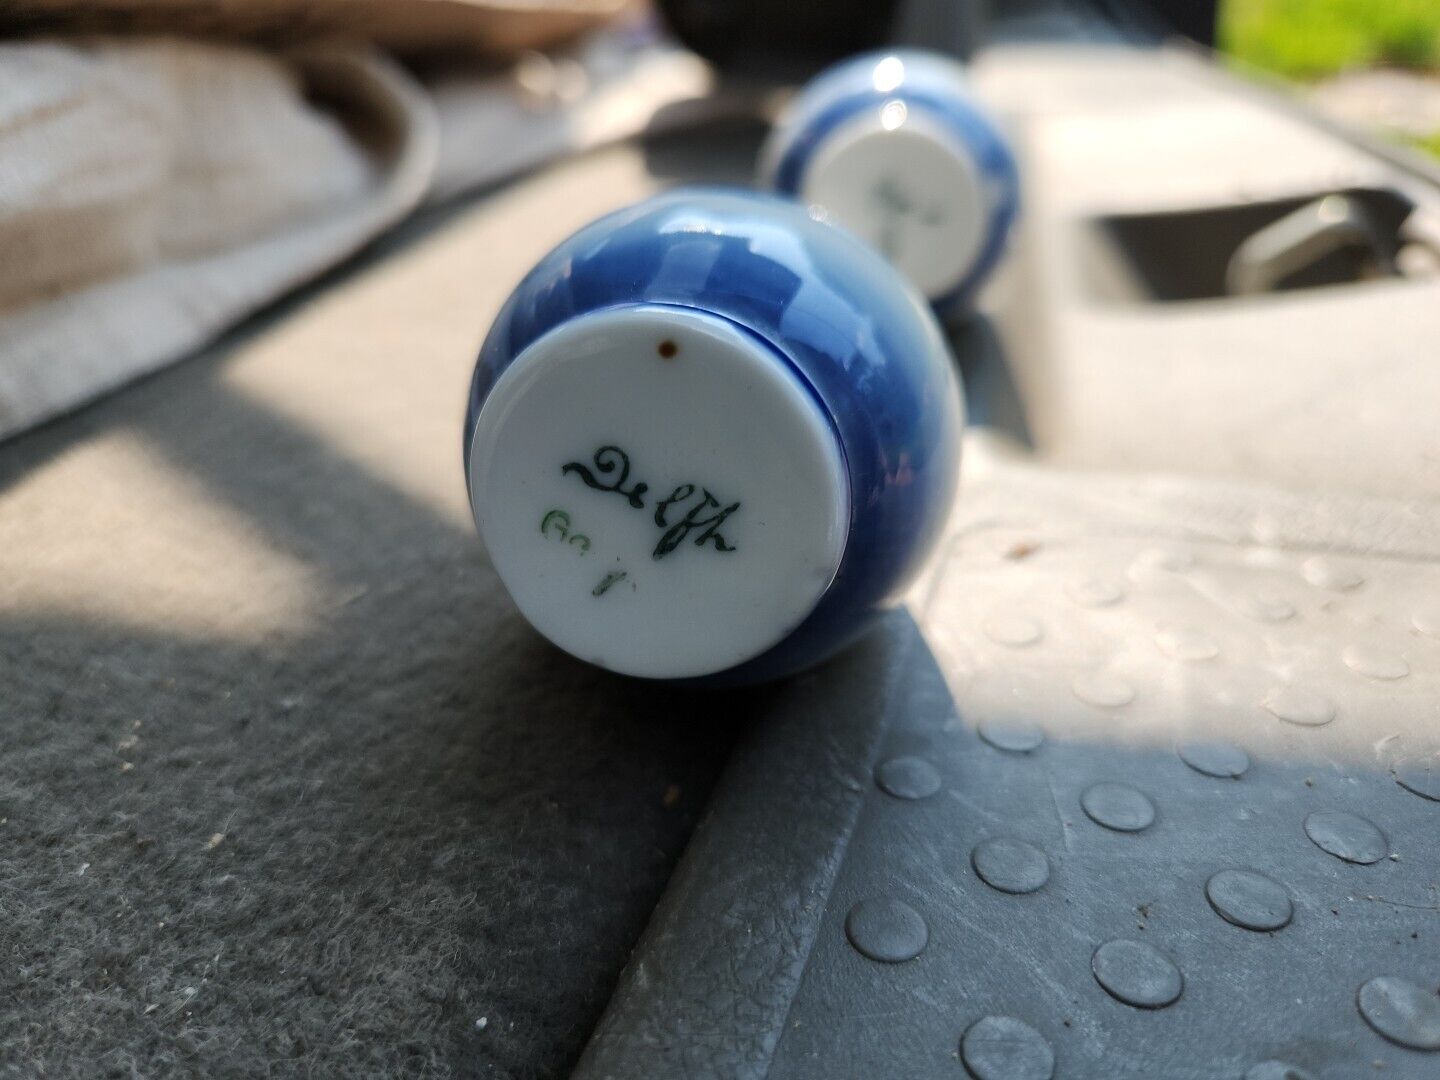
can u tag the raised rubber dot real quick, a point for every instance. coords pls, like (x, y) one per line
(1347, 836)
(1249, 900)
(1118, 806)
(1095, 592)
(1102, 689)
(907, 778)
(1168, 560)
(1402, 1011)
(1265, 608)
(1222, 759)
(1374, 662)
(1420, 778)
(1014, 631)
(886, 930)
(1426, 619)
(1276, 1070)
(1326, 573)
(1187, 643)
(1300, 705)
(1015, 736)
(1011, 866)
(1137, 974)
(1003, 1048)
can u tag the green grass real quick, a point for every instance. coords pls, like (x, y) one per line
(1429, 144)
(1309, 39)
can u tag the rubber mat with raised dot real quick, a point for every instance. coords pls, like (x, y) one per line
(1120, 809)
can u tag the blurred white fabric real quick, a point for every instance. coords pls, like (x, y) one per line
(154, 192)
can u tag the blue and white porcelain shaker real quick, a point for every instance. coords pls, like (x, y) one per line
(710, 438)
(894, 147)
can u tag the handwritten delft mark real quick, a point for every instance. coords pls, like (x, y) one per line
(555, 525)
(679, 514)
(893, 205)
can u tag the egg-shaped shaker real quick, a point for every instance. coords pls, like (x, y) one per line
(892, 146)
(709, 436)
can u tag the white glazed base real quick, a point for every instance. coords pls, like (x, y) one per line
(906, 186)
(658, 491)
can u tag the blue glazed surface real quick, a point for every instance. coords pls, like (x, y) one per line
(935, 86)
(862, 340)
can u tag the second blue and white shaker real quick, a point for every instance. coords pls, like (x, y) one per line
(893, 146)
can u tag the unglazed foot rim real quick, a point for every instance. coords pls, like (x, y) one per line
(659, 491)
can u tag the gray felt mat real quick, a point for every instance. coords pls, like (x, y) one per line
(287, 787)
